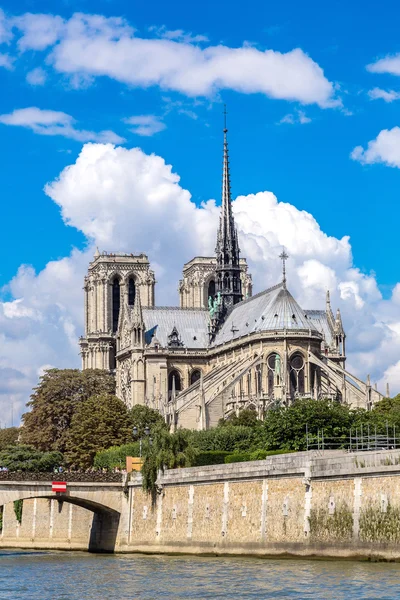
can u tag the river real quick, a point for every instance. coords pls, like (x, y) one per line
(80, 576)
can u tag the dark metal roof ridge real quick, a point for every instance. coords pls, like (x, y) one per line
(267, 291)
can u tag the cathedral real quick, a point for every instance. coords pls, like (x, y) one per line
(220, 351)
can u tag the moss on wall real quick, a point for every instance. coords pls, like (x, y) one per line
(338, 527)
(377, 526)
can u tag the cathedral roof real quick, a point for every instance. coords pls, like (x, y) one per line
(273, 309)
(321, 322)
(191, 325)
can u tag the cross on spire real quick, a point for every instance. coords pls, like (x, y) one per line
(283, 256)
(225, 113)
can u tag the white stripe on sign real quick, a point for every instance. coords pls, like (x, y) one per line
(59, 486)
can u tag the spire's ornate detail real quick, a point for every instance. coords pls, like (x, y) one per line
(284, 256)
(228, 282)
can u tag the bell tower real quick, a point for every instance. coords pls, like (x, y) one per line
(113, 280)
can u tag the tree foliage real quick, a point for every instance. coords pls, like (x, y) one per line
(97, 424)
(115, 456)
(8, 437)
(167, 451)
(143, 416)
(54, 402)
(27, 458)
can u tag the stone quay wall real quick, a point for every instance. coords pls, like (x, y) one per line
(330, 503)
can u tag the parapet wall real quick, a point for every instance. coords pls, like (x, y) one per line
(307, 504)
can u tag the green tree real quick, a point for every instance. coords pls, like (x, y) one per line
(54, 402)
(285, 427)
(115, 456)
(166, 451)
(27, 458)
(143, 416)
(8, 437)
(97, 424)
(246, 417)
(225, 438)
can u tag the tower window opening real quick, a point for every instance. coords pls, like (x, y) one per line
(131, 291)
(195, 376)
(174, 378)
(116, 302)
(211, 289)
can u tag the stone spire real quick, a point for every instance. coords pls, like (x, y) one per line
(136, 314)
(228, 282)
(137, 323)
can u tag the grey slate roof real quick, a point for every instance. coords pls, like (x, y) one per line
(190, 323)
(320, 321)
(273, 309)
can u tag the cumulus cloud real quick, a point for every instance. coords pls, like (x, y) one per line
(36, 76)
(389, 64)
(386, 95)
(38, 30)
(385, 148)
(145, 125)
(88, 46)
(51, 122)
(43, 316)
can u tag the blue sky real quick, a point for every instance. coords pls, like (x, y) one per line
(307, 165)
(98, 99)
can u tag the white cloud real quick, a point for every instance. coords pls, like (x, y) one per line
(6, 61)
(151, 212)
(36, 76)
(145, 125)
(389, 64)
(386, 95)
(39, 30)
(385, 148)
(5, 29)
(178, 35)
(51, 122)
(298, 117)
(87, 46)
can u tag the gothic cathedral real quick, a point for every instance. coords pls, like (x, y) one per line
(223, 349)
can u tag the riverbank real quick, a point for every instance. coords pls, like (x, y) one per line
(328, 504)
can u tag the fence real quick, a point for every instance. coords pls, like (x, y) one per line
(358, 439)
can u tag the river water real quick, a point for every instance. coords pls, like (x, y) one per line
(80, 576)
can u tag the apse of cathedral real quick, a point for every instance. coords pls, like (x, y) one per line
(223, 349)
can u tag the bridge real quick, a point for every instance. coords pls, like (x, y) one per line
(106, 500)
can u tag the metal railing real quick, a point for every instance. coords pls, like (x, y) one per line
(358, 439)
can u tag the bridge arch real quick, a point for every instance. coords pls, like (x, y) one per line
(105, 504)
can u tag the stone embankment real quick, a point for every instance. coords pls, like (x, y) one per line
(330, 503)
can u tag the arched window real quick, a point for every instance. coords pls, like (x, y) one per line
(296, 375)
(226, 281)
(195, 376)
(116, 302)
(131, 291)
(274, 372)
(174, 376)
(211, 289)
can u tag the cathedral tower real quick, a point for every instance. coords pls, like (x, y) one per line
(113, 280)
(228, 280)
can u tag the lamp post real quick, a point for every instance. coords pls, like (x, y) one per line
(146, 433)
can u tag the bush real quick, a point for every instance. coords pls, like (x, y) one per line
(211, 457)
(227, 438)
(116, 456)
(237, 457)
(26, 458)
